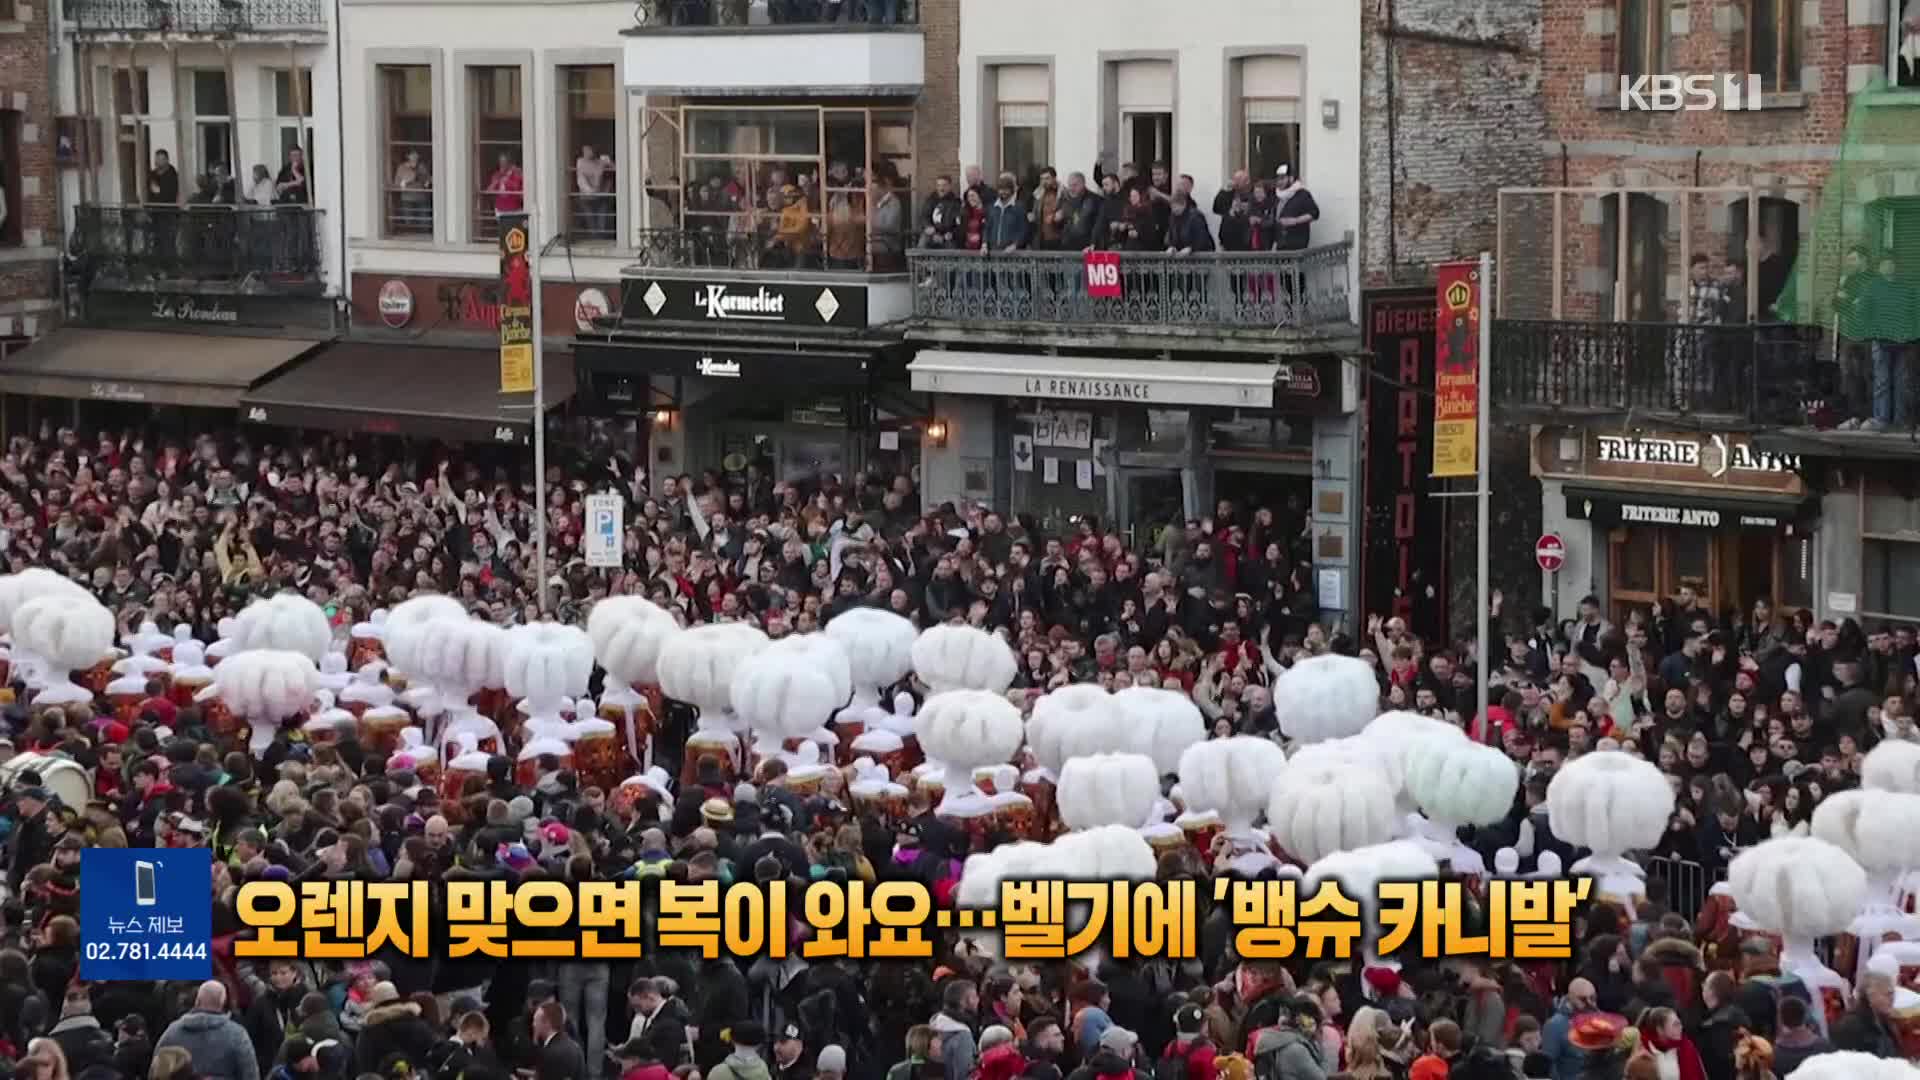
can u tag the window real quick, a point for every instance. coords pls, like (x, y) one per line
(1143, 92)
(212, 123)
(1268, 133)
(407, 171)
(1023, 116)
(1890, 578)
(1641, 38)
(1773, 43)
(132, 103)
(587, 152)
(293, 116)
(783, 187)
(11, 215)
(1779, 244)
(1903, 45)
(1640, 295)
(493, 93)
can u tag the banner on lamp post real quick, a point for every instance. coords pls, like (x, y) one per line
(1456, 381)
(516, 307)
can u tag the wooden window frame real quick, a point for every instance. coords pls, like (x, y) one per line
(391, 83)
(483, 226)
(1651, 50)
(1779, 73)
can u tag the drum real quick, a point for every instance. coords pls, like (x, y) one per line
(380, 729)
(1905, 1023)
(886, 799)
(633, 726)
(887, 749)
(1036, 787)
(1013, 814)
(722, 745)
(804, 782)
(527, 771)
(322, 730)
(847, 728)
(125, 703)
(96, 678)
(182, 689)
(426, 764)
(362, 651)
(1200, 829)
(597, 754)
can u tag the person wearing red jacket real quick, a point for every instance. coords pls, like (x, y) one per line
(1190, 1045)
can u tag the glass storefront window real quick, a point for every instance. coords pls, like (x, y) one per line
(780, 187)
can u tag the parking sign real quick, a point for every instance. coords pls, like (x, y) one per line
(605, 516)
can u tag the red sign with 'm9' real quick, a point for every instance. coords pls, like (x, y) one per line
(1103, 275)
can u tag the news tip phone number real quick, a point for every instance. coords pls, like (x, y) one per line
(143, 950)
(1034, 920)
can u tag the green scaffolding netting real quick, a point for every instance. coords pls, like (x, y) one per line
(1858, 268)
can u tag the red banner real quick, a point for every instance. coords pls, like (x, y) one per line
(1456, 381)
(1103, 275)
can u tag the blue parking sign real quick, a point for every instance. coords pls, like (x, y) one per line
(146, 913)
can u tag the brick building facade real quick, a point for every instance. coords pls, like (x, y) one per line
(30, 236)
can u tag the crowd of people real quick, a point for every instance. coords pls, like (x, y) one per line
(1754, 717)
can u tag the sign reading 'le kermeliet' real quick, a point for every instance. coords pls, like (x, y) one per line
(516, 307)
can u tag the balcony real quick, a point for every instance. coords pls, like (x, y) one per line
(241, 249)
(729, 249)
(867, 48)
(219, 18)
(1304, 291)
(1741, 373)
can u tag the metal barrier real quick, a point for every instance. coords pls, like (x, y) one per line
(1685, 883)
(1561, 365)
(1256, 290)
(202, 243)
(855, 14)
(196, 16)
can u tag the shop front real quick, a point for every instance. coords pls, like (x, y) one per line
(1642, 514)
(173, 360)
(779, 373)
(1148, 443)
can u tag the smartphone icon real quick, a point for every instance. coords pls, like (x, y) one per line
(145, 891)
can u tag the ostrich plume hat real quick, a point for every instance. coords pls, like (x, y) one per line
(970, 728)
(69, 632)
(628, 634)
(1160, 724)
(1231, 777)
(405, 628)
(878, 644)
(1610, 802)
(963, 658)
(1460, 782)
(1107, 789)
(1073, 721)
(1894, 765)
(1326, 697)
(698, 665)
(792, 686)
(289, 622)
(548, 661)
(1317, 810)
(1799, 887)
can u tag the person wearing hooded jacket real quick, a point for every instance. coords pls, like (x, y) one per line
(392, 1026)
(1112, 1057)
(218, 1045)
(743, 1062)
(954, 1025)
(1290, 1050)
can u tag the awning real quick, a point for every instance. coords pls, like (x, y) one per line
(1095, 378)
(1609, 506)
(152, 367)
(415, 390)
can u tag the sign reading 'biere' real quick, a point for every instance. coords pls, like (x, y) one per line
(516, 307)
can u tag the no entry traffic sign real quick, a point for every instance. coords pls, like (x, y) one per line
(1550, 552)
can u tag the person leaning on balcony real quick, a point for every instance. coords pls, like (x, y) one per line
(506, 186)
(1187, 230)
(846, 230)
(260, 188)
(1849, 314)
(1141, 223)
(1295, 211)
(974, 222)
(1241, 189)
(1110, 228)
(794, 232)
(414, 181)
(1006, 218)
(889, 243)
(1047, 212)
(941, 221)
(290, 187)
(1080, 225)
(163, 181)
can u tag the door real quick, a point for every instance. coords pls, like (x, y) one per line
(1151, 500)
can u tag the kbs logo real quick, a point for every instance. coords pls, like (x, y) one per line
(1689, 93)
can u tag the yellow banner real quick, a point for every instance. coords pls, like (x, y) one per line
(1456, 380)
(516, 307)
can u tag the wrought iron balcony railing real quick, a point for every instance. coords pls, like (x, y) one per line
(197, 16)
(842, 250)
(1256, 291)
(776, 14)
(259, 247)
(1758, 370)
